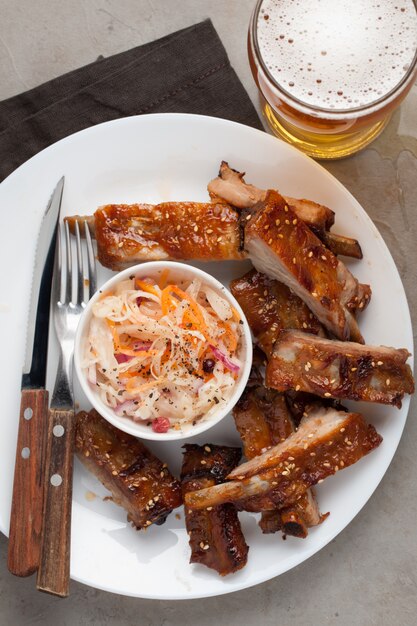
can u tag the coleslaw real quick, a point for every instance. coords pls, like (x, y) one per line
(166, 354)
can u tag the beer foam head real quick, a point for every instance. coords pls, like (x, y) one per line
(337, 54)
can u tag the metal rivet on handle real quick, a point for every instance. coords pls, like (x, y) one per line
(28, 413)
(56, 480)
(25, 453)
(58, 430)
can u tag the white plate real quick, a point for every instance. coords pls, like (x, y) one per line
(172, 157)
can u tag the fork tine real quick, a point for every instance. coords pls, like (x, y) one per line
(92, 272)
(80, 268)
(67, 290)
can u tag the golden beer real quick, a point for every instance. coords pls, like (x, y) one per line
(331, 72)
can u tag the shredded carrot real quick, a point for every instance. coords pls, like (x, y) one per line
(229, 337)
(163, 279)
(166, 355)
(137, 353)
(167, 302)
(126, 375)
(195, 308)
(143, 286)
(193, 311)
(189, 320)
(236, 315)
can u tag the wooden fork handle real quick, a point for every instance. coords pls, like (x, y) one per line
(26, 512)
(54, 564)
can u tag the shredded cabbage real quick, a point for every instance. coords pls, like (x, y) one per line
(171, 353)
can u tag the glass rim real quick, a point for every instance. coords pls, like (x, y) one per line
(310, 108)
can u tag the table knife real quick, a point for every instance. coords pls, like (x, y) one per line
(27, 499)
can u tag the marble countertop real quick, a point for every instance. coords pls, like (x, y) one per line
(368, 574)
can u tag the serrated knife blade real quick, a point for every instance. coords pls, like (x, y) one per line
(27, 499)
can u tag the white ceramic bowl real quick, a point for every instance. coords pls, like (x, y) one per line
(177, 272)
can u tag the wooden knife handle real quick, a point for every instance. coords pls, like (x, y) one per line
(26, 513)
(54, 564)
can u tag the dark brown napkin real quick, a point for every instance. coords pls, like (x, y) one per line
(186, 72)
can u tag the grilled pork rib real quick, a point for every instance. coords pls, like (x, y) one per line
(136, 478)
(326, 442)
(283, 247)
(263, 420)
(231, 187)
(215, 535)
(295, 519)
(301, 404)
(340, 245)
(269, 307)
(337, 369)
(127, 234)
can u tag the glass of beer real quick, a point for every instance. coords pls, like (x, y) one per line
(331, 72)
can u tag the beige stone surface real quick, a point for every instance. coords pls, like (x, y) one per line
(367, 576)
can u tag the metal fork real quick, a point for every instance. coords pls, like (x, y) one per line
(67, 306)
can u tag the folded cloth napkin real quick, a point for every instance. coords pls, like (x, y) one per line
(186, 72)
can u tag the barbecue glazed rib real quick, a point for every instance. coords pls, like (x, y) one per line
(215, 535)
(269, 307)
(295, 519)
(263, 420)
(230, 186)
(326, 442)
(301, 404)
(340, 245)
(339, 370)
(129, 233)
(136, 478)
(283, 247)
